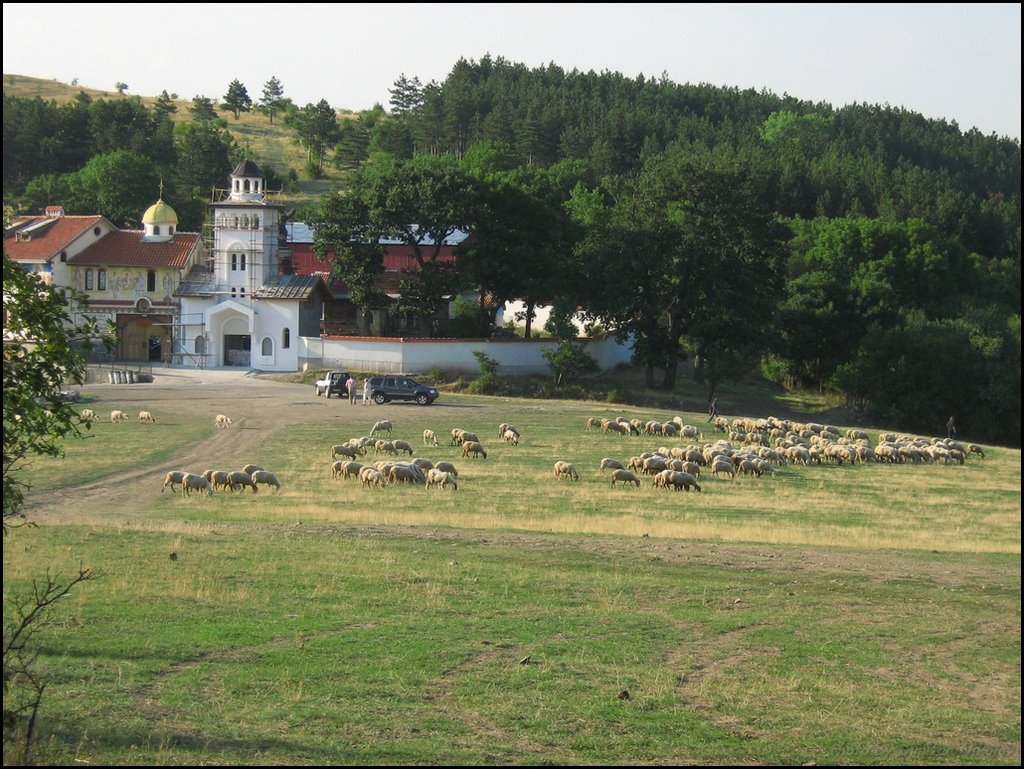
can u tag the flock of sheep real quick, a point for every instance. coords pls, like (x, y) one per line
(116, 416)
(250, 476)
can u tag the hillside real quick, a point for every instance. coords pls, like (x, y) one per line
(270, 144)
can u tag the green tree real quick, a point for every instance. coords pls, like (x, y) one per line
(237, 99)
(273, 93)
(165, 106)
(120, 185)
(406, 96)
(317, 128)
(203, 109)
(121, 87)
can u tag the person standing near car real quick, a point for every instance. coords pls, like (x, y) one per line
(366, 391)
(350, 385)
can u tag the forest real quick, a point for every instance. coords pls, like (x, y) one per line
(866, 250)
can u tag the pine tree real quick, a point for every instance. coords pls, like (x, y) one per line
(273, 92)
(237, 99)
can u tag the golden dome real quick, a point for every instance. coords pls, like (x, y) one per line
(160, 213)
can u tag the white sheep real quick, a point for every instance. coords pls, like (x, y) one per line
(511, 436)
(221, 420)
(145, 416)
(118, 416)
(403, 446)
(87, 415)
(608, 463)
(447, 467)
(345, 450)
(250, 469)
(241, 479)
(624, 476)
(371, 476)
(193, 482)
(429, 437)
(173, 477)
(441, 480)
(474, 448)
(383, 426)
(348, 469)
(565, 469)
(266, 478)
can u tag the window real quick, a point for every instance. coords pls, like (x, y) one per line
(234, 292)
(286, 339)
(156, 229)
(200, 345)
(88, 280)
(170, 230)
(241, 292)
(234, 261)
(241, 262)
(63, 256)
(96, 231)
(151, 280)
(255, 222)
(267, 348)
(101, 280)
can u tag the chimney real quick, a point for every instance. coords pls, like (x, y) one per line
(55, 212)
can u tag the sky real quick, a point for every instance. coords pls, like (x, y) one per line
(952, 61)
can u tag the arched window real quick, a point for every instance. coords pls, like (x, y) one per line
(63, 256)
(101, 280)
(234, 292)
(267, 347)
(286, 339)
(156, 229)
(234, 261)
(151, 280)
(245, 221)
(88, 280)
(241, 292)
(234, 221)
(241, 262)
(255, 222)
(170, 230)
(200, 345)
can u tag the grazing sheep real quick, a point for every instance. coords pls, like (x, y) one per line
(118, 416)
(173, 477)
(241, 479)
(723, 465)
(145, 416)
(593, 422)
(336, 469)
(386, 446)
(461, 437)
(683, 481)
(221, 480)
(383, 426)
(350, 469)
(565, 469)
(266, 478)
(429, 438)
(624, 476)
(441, 480)
(511, 436)
(505, 427)
(403, 446)
(345, 450)
(447, 467)
(405, 473)
(474, 448)
(423, 463)
(192, 482)
(250, 469)
(87, 415)
(972, 448)
(221, 420)
(611, 464)
(371, 476)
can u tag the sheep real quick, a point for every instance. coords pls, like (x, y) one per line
(403, 446)
(441, 480)
(624, 476)
(221, 421)
(461, 437)
(423, 463)
(474, 448)
(653, 465)
(504, 428)
(387, 447)
(345, 450)
(349, 469)
(723, 465)
(87, 415)
(511, 436)
(429, 438)
(266, 478)
(972, 448)
(612, 464)
(192, 482)
(118, 416)
(173, 477)
(250, 469)
(447, 467)
(565, 469)
(383, 426)
(336, 469)
(405, 473)
(747, 467)
(146, 416)
(221, 480)
(241, 479)
(683, 481)
(371, 476)
(593, 422)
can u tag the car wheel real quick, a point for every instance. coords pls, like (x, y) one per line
(379, 399)
(422, 399)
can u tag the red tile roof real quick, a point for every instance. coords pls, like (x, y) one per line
(126, 249)
(45, 237)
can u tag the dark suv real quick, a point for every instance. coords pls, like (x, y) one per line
(401, 388)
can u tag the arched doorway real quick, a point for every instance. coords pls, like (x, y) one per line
(141, 337)
(237, 342)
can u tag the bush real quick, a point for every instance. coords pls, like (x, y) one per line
(485, 384)
(616, 395)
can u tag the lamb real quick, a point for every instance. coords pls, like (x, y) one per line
(429, 437)
(221, 421)
(624, 476)
(383, 426)
(612, 464)
(474, 448)
(403, 446)
(565, 469)
(145, 416)
(241, 479)
(118, 416)
(192, 482)
(447, 467)
(441, 480)
(266, 478)
(87, 415)
(173, 477)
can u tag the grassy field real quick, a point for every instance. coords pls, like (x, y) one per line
(863, 614)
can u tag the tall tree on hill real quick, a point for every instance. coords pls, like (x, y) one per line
(203, 109)
(273, 93)
(317, 129)
(236, 100)
(406, 96)
(164, 105)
